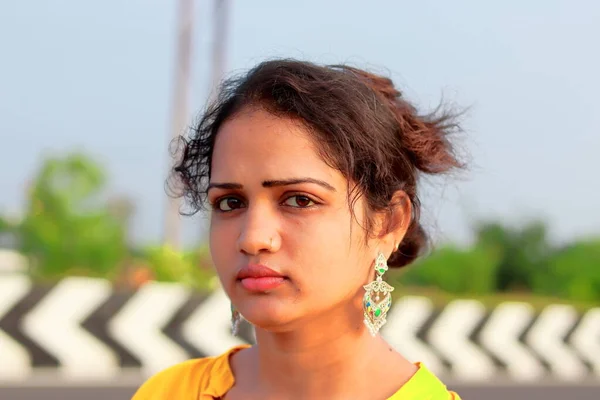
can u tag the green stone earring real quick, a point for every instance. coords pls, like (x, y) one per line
(236, 317)
(378, 298)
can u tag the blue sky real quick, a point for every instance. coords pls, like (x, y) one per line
(96, 75)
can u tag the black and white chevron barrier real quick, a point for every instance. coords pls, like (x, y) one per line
(82, 329)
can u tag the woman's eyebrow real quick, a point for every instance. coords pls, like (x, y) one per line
(230, 186)
(272, 183)
(295, 181)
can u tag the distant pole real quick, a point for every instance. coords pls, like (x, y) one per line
(220, 29)
(179, 110)
(219, 50)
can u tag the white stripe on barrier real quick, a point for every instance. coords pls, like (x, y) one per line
(15, 362)
(546, 337)
(405, 320)
(138, 325)
(500, 336)
(208, 328)
(450, 335)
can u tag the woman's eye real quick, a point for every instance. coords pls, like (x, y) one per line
(299, 201)
(229, 204)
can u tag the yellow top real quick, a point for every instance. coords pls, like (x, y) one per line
(211, 378)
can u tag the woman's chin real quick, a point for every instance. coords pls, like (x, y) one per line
(275, 319)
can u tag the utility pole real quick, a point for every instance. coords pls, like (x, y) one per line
(179, 110)
(218, 62)
(220, 29)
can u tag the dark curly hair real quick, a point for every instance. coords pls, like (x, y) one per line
(361, 124)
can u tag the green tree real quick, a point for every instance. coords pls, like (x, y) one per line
(573, 272)
(523, 252)
(455, 270)
(192, 268)
(67, 229)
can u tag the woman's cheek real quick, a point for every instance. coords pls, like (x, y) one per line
(222, 246)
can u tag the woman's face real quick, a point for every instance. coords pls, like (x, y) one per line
(277, 204)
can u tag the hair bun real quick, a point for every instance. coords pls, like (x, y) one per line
(423, 140)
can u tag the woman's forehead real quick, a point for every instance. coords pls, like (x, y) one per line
(259, 143)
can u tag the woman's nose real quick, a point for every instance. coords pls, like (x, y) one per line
(259, 232)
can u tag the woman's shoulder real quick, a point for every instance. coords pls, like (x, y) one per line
(424, 385)
(209, 376)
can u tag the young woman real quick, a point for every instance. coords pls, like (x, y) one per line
(311, 174)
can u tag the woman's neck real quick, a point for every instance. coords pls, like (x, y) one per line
(331, 357)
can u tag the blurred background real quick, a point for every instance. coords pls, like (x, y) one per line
(98, 270)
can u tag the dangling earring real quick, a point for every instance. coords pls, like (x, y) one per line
(378, 299)
(236, 317)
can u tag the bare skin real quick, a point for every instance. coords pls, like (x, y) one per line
(278, 204)
(346, 367)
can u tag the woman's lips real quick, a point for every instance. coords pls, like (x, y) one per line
(262, 284)
(259, 278)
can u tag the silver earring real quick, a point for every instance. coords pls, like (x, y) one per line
(378, 298)
(236, 318)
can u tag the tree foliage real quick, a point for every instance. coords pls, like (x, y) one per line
(71, 227)
(66, 228)
(512, 259)
(192, 268)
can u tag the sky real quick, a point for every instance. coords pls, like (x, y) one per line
(97, 76)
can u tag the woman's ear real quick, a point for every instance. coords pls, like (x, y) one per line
(399, 218)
